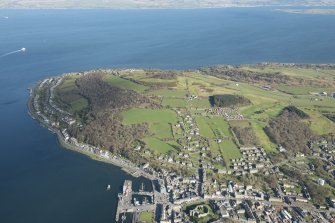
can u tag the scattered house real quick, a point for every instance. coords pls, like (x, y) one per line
(321, 181)
(281, 149)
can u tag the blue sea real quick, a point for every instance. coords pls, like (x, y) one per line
(42, 182)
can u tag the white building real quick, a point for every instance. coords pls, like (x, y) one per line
(321, 181)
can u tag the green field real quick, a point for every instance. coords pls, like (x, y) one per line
(200, 103)
(146, 217)
(79, 104)
(205, 129)
(174, 102)
(219, 126)
(68, 94)
(215, 148)
(229, 150)
(125, 84)
(158, 146)
(169, 93)
(140, 115)
(303, 90)
(239, 123)
(68, 83)
(258, 128)
(161, 130)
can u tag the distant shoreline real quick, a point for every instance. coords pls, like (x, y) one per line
(167, 7)
(309, 11)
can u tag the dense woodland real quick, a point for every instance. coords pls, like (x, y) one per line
(297, 111)
(104, 126)
(245, 136)
(228, 100)
(108, 132)
(236, 74)
(330, 116)
(103, 96)
(288, 130)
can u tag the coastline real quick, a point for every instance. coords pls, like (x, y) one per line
(124, 165)
(308, 11)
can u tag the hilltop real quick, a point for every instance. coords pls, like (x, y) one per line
(218, 124)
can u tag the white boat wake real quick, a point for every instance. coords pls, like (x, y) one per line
(16, 51)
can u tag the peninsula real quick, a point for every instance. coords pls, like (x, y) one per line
(222, 142)
(310, 11)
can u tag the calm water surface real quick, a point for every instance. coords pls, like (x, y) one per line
(40, 181)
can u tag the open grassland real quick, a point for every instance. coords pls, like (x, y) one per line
(295, 71)
(200, 103)
(79, 104)
(161, 130)
(169, 93)
(205, 129)
(258, 128)
(125, 84)
(219, 126)
(319, 124)
(158, 146)
(229, 150)
(239, 123)
(140, 115)
(147, 217)
(68, 83)
(215, 148)
(302, 90)
(69, 96)
(174, 102)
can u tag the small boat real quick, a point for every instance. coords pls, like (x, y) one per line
(142, 187)
(108, 187)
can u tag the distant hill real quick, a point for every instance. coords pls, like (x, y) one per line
(124, 4)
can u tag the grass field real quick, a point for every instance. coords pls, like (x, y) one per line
(297, 90)
(205, 129)
(161, 130)
(239, 123)
(229, 150)
(69, 96)
(258, 128)
(125, 84)
(169, 93)
(219, 126)
(147, 217)
(320, 124)
(215, 149)
(200, 103)
(69, 82)
(79, 104)
(158, 146)
(174, 102)
(139, 115)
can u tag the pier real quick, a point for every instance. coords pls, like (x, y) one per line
(125, 201)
